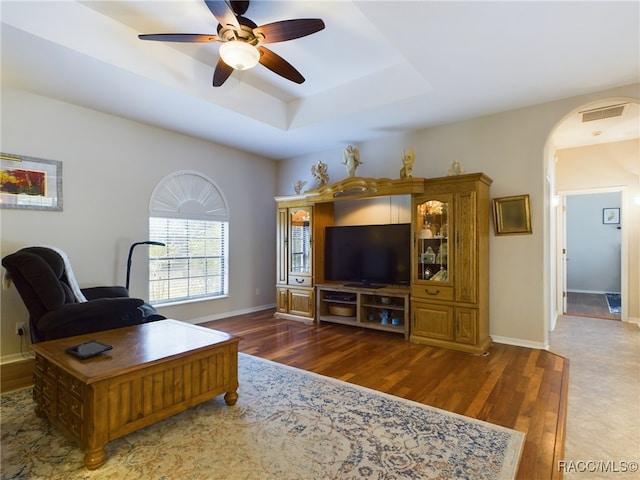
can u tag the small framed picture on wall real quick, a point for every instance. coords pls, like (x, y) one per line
(512, 215)
(611, 216)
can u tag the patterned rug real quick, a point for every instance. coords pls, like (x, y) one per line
(287, 424)
(614, 300)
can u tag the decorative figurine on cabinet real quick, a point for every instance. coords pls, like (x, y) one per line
(298, 185)
(456, 169)
(408, 160)
(319, 170)
(351, 160)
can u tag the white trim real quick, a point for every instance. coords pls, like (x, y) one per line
(234, 313)
(170, 205)
(624, 237)
(16, 357)
(518, 342)
(595, 292)
(633, 320)
(187, 301)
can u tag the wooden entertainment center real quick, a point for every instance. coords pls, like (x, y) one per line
(447, 301)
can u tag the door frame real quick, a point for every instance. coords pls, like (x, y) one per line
(561, 239)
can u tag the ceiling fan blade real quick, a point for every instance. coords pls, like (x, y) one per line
(181, 37)
(223, 13)
(239, 7)
(221, 73)
(288, 29)
(279, 65)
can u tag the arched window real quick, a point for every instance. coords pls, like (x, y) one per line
(189, 214)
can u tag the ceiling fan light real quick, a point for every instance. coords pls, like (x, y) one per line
(239, 55)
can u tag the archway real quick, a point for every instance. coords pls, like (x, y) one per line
(608, 147)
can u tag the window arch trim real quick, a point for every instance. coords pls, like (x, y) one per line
(188, 194)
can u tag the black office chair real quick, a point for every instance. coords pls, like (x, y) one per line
(58, 308)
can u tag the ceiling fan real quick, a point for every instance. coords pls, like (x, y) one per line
(242, 40)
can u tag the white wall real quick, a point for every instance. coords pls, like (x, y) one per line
(593, 248)
(110, 167)
(509, 147)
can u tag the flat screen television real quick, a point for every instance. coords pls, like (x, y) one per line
(368, 255)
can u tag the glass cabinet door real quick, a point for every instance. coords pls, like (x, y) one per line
(300, 241)
(432, 259)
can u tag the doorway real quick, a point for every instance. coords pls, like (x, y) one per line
(587, 157)
(593, 255)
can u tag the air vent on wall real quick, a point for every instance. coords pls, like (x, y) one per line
(603, 112)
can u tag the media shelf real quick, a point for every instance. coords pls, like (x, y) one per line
(385, 308)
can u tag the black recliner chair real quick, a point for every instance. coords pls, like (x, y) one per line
(55, 311)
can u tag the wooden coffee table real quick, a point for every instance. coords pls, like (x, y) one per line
(154, 370)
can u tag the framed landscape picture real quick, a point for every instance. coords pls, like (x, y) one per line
(30, 183)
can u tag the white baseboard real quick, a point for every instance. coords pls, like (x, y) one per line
(594, 292)
(633, 320)
(518, 342)
(15, 357)
(220, 316)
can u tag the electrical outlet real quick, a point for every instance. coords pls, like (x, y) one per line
(20, 328)
(257, 291)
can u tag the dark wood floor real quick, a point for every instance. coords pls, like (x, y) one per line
(519, 388)
(592, 305)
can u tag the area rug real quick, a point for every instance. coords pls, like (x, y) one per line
(287, 424)
(614, 301)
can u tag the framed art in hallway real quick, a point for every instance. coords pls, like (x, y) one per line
(30, 183)
(511, 215)
(611, 216)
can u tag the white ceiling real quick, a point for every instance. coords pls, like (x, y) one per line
(378, 68)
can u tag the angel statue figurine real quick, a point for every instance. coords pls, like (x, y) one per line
(407, 163)
(319, 170)
(351, 160)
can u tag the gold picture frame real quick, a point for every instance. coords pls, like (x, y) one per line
(512, 215)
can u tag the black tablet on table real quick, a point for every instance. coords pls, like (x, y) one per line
(88, 349)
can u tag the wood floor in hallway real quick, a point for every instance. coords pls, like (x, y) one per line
(592, 305)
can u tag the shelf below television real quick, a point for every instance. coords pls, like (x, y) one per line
(385, 308)
(368, 286)
(381, 291)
